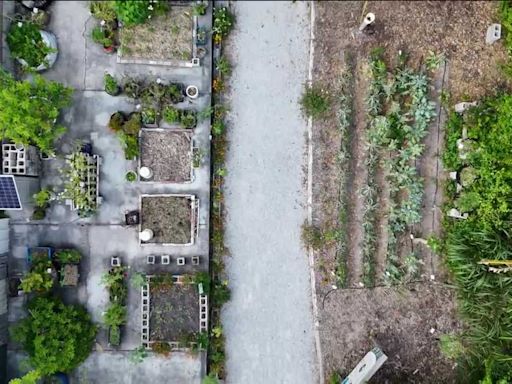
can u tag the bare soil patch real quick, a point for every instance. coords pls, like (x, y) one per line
(166, 37)
(174, 312)
(169, 217)
(168, 153)
(400, 321)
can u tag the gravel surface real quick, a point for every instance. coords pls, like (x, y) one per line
(268, 323)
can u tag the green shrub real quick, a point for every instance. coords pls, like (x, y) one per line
(37, 281)
(111, 85)
(57, 337)
(116, 121)
(102, 36)
(130, 145)
(68, 256)
(133, 125)
(171, 115)
(218, 127)
(25, 42)
(220, 293)
(223, 66)
(115, 315)
(315, 102)
(103, 10)
(42, 198)
(132, 12)
(114, 335)
(132, 88)
(223, 21)
(188, 119)
(149, 116)
(200, 9)
(30, 109)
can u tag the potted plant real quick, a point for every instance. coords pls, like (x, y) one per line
(105, 37)
(201, 36)
(173, 93)
(111, 85)
(192, 92)
(33, 48)
(42, 202)
(132, 88)
(188, 119)
(149, 117)
(116, 121)
(171, 115)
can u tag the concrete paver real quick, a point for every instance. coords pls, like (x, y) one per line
(268, 323)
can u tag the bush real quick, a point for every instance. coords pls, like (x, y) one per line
(30, 109)
(111, 85)
(103, 10)
(116, 121)
(68, 256)
(130, 145)
(315, 102)
(132, 12)
(37, 281)
(171, 115)
(188, 119)
(103, 36)
(132, 88)
(200, 9)
(115, 315)
(57, 337)
(114, 336)
(173, 94)
(220, 293)
(42, 198)
(25, 42)
(161, 348)
(223, 22)
(133, 125)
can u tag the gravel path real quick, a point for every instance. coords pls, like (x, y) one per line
(268, 323)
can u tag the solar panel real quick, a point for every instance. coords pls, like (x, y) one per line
(9, 197)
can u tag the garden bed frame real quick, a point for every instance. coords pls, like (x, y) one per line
(194, 62)
(167, 131)
(194, 218)
(146, 309)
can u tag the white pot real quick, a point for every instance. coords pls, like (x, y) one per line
(51, 41)
(146, 235)
(192, 92)
(145, 173)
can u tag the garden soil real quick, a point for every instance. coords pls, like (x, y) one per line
(406, 321)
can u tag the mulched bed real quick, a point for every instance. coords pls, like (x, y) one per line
(170, 218)
(168, 154)
(167, 37)
(174, 312)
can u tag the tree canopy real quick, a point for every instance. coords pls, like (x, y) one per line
(57, 337)
(29, 110)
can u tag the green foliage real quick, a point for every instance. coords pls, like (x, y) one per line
(37, 281)
(334, 378)
(138, 280)
(149, 116)
(103, 36)
(171, 115)
(31, 377)
(25, 42)
(114, 335)
(211, 378)
(223, 66)
(506, 23)
(114, 280)
(200, 9)
(57, 337)
(29, 110)
(130, 176)
(203, 278)
(218, 127)
(132, 12)
(138, 355)
(42, 198)
(223, 21)
(116, 121)
(68, 256)
(130, 145)
(132, 87)
(115, 315)
(220, 292)
(111, 85)
(133, 125)
(315, 102)
(451, 347)
(433, 61)
(103, 10)
(188, 119)
(453, 132)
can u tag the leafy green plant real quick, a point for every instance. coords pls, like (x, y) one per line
(56, 336)
(223, 66)
(68, 256)
(25, 43)
(211, 378)
(200, 8)
(130, 145)
(103, 36)
(30, 109)
(42, 198)
(171, 115)
(218, 127)
(138, 355)
(132, 87)
(116, 121)
(130, 176)
(114, 335)
(31, 377)
(149, 116)
(115, 315)
(138, 280)
(315, 102)
(223, 22)
(132, 12)
(450, 346)
(188, 119)
(133, 125)
(37, 281)
(198, 157)
(103, 10)
(111, 85)
(433, 60)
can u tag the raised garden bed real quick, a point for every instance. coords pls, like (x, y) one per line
(165, 38)
(168, 154)
(171, 313)
(171, 218)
